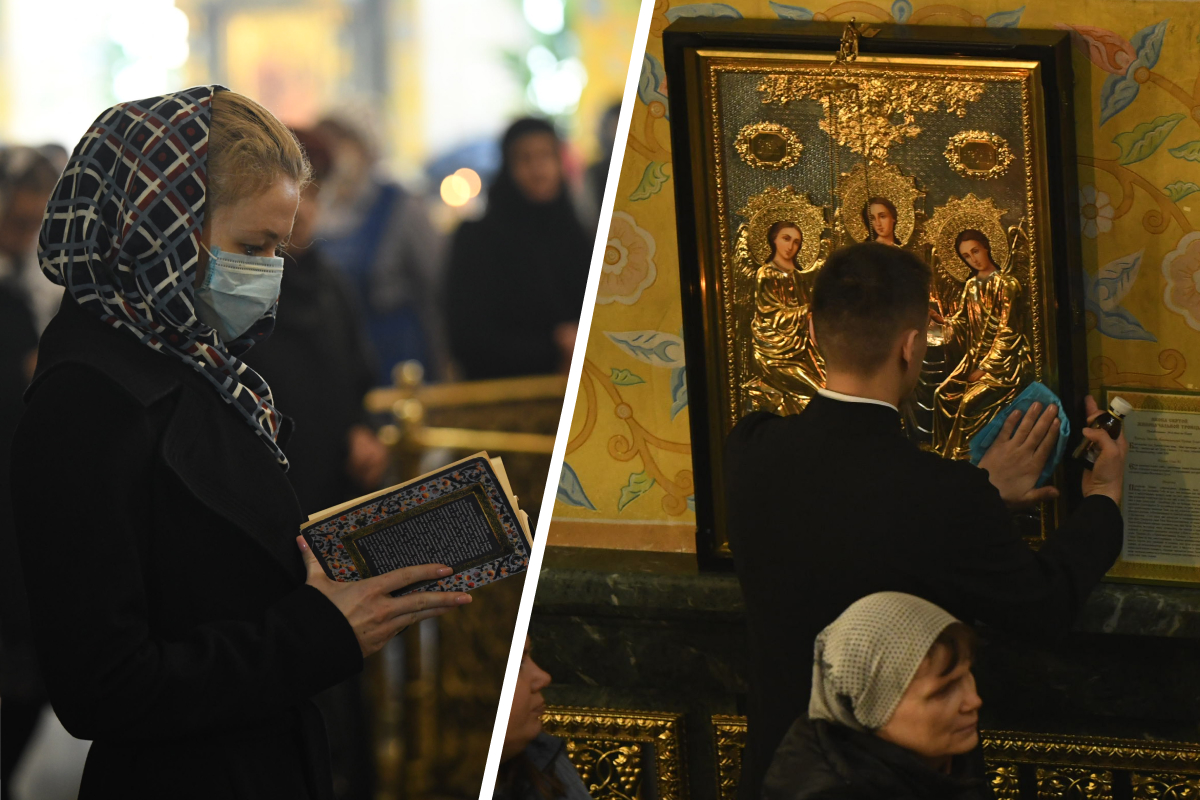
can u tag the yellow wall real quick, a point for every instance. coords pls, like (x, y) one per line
(628, 463)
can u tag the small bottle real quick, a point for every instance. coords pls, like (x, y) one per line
(1109, 421)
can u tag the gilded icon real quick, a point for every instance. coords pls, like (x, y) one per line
(890, 137)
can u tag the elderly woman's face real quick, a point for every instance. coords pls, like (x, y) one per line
(536, 166)
(883, 222)
(938, 717)
(525, 721)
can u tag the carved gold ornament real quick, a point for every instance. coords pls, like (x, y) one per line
(867, 113)
(1004, 780)
(609, 749)
(767, 145)
(730, 734)
(956, 216)
(878, 180)
(764, 210)
(978, 154)
(1162, 786)
(1073, 783)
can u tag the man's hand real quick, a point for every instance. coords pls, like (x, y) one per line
(369, 607)
(1107, 475)
(1017, 457)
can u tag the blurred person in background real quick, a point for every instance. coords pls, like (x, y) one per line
(597, 173)
(380, 237)
(319, 362)
(320, 366)
(534, 764)
(27, 178)
(516, 277)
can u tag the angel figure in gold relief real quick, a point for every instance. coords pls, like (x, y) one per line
(790, 368)
(987, 327)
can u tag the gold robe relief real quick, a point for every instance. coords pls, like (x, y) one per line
(790, 368)
(987, 326)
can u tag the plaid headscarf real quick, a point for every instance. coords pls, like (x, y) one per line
(122, 235)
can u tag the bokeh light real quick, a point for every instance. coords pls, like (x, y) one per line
(474, 182)
(456, 191)
(545, 16)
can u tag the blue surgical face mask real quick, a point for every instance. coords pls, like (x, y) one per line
(237, 291)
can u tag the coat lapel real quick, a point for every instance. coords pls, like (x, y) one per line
(219, 458)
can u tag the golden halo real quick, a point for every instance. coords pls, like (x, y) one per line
(764, 210)
(957, 216)
(886, 181)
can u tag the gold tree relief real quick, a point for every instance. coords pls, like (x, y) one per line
(871, 115)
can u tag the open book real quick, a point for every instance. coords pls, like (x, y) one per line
(463, 515)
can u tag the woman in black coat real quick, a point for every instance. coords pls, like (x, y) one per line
(893, 713)
(176, 621)
(516, 277)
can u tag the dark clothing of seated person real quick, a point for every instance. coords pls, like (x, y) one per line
(534, 764)
(852, 507)
(893, 714)
(177, 621)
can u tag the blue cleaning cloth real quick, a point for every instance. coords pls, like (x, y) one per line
(1034, 393)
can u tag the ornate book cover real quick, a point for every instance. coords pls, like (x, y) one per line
(463, 515)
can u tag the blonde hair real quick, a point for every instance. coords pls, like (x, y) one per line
(248, 150)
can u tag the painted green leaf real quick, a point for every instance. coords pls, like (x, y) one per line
(1180, 189)
(652, 181)
(1145, 138)
(623, 377)
(639, 484)
(1188, 152)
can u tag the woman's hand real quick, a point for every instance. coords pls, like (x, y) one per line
(368, 605)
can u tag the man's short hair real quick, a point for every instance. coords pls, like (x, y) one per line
(863, 298)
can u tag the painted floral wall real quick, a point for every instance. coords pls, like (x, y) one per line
(627, 478)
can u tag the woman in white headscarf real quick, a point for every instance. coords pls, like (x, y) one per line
(893, 712)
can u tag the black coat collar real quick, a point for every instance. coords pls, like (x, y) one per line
(868, 417)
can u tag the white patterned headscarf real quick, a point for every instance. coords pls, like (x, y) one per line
(864, 661)
(122, 235)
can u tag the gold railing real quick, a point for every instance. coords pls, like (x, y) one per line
(435, 690)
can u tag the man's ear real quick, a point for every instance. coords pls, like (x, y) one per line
(908, 347)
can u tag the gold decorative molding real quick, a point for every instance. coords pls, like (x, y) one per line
(978, 154)
(729, 733)
(768, 145)
(1164, 786)
(1073, 783)
(1130, 754)
(609, 748)
(1004, 781)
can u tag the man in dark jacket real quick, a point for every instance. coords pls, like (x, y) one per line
(832, 504)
